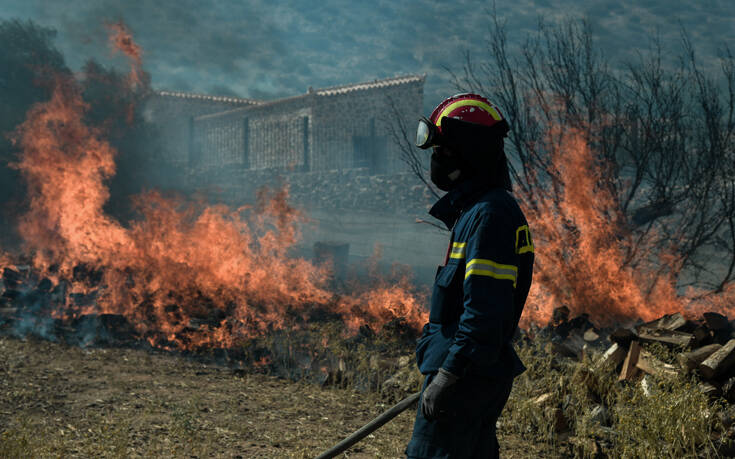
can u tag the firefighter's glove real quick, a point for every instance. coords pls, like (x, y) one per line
(435, 395)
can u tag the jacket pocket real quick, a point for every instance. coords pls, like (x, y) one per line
(446, 275)
(447, 295)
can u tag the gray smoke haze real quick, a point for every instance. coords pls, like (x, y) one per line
(267, 49)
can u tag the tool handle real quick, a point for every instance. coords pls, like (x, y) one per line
(370, 427)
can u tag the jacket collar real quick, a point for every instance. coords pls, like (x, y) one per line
(450, 206)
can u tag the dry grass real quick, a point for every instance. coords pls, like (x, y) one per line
(60, 401)
(674, 420)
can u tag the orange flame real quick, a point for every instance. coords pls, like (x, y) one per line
(183, 274)
(581, 247)
(121, 40)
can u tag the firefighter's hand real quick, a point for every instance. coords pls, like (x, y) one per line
(436, 393)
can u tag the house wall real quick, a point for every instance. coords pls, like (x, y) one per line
(273, 135)
(341, 128)
(173, 113)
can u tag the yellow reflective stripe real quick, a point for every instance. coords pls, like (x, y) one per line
(481, 267)
(458, 250)
(528, 243)
(463, 103)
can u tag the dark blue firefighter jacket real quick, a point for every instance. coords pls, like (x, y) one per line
(479, 293)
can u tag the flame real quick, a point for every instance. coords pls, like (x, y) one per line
(582, 246)
(121, 40)
(185, 274)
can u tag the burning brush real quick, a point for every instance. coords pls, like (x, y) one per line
(184, 275)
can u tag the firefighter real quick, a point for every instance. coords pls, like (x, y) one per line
(465, 349)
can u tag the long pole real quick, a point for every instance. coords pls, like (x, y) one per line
(370, 427)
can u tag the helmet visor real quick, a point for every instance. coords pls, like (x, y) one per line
(425, 133)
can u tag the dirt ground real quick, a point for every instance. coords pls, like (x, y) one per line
(61, 401)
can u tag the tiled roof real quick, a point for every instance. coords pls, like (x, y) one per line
(330, 91)
(229, 100)
(394, 81)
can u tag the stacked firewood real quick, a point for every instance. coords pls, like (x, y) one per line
(705, 346)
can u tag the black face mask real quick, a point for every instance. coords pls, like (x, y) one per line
(477, 151)
(445, 171)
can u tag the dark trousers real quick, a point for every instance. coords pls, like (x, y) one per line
(468, 431)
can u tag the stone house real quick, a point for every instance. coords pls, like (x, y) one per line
(341, 127)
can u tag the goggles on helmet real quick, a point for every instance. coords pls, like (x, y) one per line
(427, 134)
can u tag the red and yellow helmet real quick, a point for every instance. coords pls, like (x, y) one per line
(467, 107)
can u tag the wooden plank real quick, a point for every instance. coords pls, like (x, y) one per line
(612, 356)
(667, 322)
(630, 370)
(691, 360)
(653, 366)
(719, 362)
(662, 335)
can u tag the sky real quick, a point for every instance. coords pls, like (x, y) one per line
(266, 49)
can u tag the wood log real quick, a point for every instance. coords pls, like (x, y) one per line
(662, 335)
(612, 356)
(668, 322)
(719, 362)
(653, 366)
(630, 370)
(691, 360)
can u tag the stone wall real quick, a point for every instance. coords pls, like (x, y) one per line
(347, 189)
(173, 114)
(347, 122)
(268, 135)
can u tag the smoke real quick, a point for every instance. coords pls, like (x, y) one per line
(273, 49)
